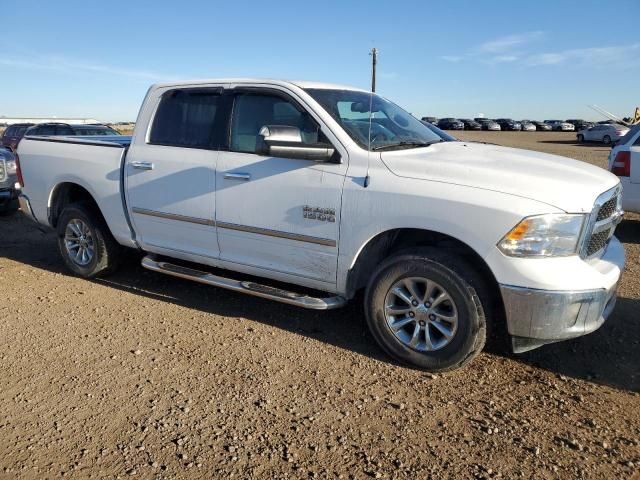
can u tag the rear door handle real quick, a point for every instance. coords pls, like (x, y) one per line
(244, 177)
(142, 165)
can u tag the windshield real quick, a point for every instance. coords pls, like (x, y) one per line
(391, 127)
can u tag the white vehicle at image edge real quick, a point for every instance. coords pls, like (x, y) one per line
(624, 161)
(605, 133)
(339, 190)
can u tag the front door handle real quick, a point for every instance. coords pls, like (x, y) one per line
(244, 177)
(142, 165)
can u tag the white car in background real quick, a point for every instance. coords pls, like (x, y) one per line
(606, 133)
(560, 126)
(624, 161)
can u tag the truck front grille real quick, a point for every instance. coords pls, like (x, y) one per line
(608, 209)
(598, 241)
(3, 170)
(603, 220)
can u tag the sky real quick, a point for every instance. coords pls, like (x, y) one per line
(526, 59)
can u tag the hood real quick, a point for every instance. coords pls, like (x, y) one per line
(567, 184)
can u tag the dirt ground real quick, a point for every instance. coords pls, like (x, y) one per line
(148, 376)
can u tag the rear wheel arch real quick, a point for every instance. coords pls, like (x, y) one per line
(67, 193)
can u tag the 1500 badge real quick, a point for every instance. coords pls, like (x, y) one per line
(318, 213)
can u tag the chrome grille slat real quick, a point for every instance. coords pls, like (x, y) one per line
(608, 209)
(604, 218)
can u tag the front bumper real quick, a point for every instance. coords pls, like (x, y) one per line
(537, 317)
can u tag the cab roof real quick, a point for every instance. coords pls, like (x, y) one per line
(267, 81)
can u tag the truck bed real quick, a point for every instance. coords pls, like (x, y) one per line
(94, 163)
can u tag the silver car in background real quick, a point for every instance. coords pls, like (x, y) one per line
(527, 126)
(560, 126)
(606, 133)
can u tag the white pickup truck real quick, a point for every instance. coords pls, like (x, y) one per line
(324, 188)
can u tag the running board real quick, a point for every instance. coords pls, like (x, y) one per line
(250, 288)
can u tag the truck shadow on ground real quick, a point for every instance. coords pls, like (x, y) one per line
(575, 143)
(609, 356)
(629, 232)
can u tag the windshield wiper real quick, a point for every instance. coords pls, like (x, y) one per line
(407, 143)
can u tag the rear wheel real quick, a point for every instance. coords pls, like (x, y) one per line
(580, 138)
(606, 140)
(422, 308)
(85, 242)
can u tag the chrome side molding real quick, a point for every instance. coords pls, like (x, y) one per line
(250, 288)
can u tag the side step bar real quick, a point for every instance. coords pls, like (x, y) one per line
(250, 288)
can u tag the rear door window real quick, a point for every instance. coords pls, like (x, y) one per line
(186, 118)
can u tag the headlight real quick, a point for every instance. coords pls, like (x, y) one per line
(553, 235)
(11, 167)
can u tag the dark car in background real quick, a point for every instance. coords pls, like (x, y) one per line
(541, 126)
(470, 124)
(580, 124)
(446, 137)
(13, 134)
(450, 124)
(508, 124)
(93, 130)
(47, 129)
(431, 120)
(8, 179)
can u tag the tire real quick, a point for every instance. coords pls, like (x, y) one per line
(580, 138)
(95, 236)
(446, 273)
(606, 140)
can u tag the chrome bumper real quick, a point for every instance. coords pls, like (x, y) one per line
(537, 317)
(25, 207)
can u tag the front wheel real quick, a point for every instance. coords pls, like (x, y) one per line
(606, 140)
(423, 310)
(85, 242)
(580, 138)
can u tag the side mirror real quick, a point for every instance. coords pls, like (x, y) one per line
(286, 142)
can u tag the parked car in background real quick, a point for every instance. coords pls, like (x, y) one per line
(259, 177)
(8, 179)
(527, 126)
(560, 126)
(470, 124)
(447, 137)
(624, 161)
(490, 125)
(13, 134)
(47, 129)
(580, 124)
(431, 120)
(450, 124)
(606, 133)
(93, 130)
(541, 126)
(508, 124)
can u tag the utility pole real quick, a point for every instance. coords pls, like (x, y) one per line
(374, 62)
